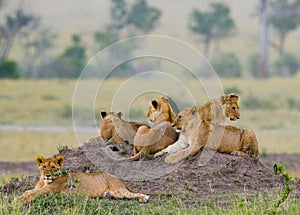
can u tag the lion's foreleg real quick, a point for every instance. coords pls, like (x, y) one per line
(124, 193)
(30, 195)
(194, 147)
(180, 144)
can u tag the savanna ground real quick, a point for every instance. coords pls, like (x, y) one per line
(227, 184)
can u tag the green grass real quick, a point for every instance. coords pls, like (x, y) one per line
(161, 204)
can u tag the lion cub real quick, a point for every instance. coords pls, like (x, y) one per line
(114, 127)
(160, 135)
(54, 180)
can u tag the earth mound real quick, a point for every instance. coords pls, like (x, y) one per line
(193, 181)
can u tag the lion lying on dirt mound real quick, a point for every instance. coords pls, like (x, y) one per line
(160, 135)
(113, 126)
(55, 180)
(195, 133)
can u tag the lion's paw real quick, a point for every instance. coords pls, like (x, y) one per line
(237, 153)
(171, 159)
(160, 153)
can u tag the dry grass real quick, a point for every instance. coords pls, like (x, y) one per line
(49, 103)
(26, 145)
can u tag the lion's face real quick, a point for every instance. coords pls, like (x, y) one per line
(49, 168)
(107, 124)
(160, 111)
(184, 117)
(232, 109)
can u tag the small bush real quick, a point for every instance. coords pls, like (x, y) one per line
(227, 65)
(286, 65)
(293, 103)
(9, 69)
(49, 97)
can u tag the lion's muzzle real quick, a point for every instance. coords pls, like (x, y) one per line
(48, 179)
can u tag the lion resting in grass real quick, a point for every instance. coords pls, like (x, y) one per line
(160, 135)
(195, 133)
(114, 127)
(55, 180)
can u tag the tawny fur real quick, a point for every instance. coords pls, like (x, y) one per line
(195, 133)
(160, 135)
(215, 111)
(114, 127)
(90, 184)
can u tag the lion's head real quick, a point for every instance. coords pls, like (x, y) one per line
(49, 168)
(107, 127)
(232, 108)
(185, 119)
(160, 111)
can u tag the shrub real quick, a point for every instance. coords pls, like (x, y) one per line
(286, 65)
(9, 69)
(293, 103)
(227, 65)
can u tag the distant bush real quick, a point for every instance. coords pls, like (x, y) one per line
(286, 65)
(293, 103)
(9, 69)
(61, 68)
(227, 65)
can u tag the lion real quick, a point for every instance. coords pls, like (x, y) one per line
(160, 135)
(54, 179)
(215, 111)
(195, 133)
(114, 127)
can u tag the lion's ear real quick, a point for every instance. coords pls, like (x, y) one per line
(194, 110)
(120, 115)
(234, 96)
(223, 99)
(164, 98)
(60, 160)
(103, 114)
(154, 103)
(39, 160)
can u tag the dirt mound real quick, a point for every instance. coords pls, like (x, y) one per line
(222, 177)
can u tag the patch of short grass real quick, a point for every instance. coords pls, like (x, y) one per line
(161, 204)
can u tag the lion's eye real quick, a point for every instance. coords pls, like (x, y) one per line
(44, 167)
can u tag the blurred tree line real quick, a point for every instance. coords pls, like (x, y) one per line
(139, 18)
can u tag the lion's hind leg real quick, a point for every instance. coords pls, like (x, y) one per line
(250, 143)
(124, 193)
